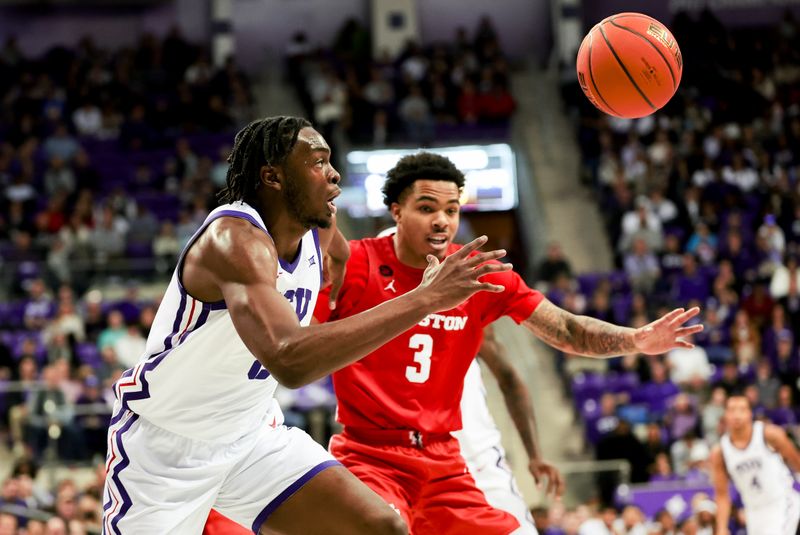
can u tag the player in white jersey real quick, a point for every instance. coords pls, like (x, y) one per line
(195, 425)
(480, 440)
(760, 460)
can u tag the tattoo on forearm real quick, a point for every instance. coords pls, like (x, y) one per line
(581, 335)
(595, 337)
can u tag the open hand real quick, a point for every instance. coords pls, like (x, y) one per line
(667, 332)
(452, 281)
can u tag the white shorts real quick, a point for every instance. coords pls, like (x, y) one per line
(160, 482)
(779, 519)
(494, 478)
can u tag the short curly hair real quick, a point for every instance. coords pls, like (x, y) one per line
(419, 166)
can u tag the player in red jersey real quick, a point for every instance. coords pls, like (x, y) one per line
(399, 404)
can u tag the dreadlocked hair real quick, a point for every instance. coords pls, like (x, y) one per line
(263, 142)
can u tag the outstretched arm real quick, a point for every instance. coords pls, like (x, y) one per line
(520, 407)
(234, 261)
(590, 337)
(719, 477)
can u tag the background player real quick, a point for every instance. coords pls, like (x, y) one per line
(195, 423)
(480, 439)
(400, 403)
(760, 460)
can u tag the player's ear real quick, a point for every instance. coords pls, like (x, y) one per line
(270, 177)
(394, 209)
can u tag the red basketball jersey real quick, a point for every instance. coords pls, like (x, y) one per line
(415, 380)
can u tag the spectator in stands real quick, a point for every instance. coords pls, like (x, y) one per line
(607, 420)
(166, 248)
(93, 416)
(469, 108)
(654, 443)
(554, 264)
(712, 413)
(787, 366)
(48, 406)
(621, 444)
(87, 119)
(61, 144)
(39, 307)
(687, 448)
(689, 367)
(631, 522)
(114, 330)
(415, 113)
(703, 244)
(143, 225)
(130, 347)
(758, 305)
(496, 105)
(662, 470)
(730, 380)
(108, 237)
(785, 279)
(784, 413)
(682, 416)
(641, 223)
(691, 284)
(641, 266)
(745, 339)
(772, 233)
(59, 178)
(768, 385)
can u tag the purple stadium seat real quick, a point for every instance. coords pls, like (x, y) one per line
(88, 353)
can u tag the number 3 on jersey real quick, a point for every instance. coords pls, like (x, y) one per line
(424, 344)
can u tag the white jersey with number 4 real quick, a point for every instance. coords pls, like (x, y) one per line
(767, 486)
(197, 378)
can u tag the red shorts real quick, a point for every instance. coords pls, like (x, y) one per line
(218, 524)
(430, 485)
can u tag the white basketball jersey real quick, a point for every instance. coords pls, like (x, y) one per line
(478, 430)
(197, 378)
(759, 473)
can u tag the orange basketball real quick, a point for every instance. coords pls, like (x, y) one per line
(629, 65)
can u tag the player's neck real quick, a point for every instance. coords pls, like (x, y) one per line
(286, 232)
(741, 438)
(407, 256)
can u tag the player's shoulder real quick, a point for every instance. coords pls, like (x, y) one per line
(773, 433)
(362, 247)
(233, 241)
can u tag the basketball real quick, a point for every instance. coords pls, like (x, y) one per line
(629, 65)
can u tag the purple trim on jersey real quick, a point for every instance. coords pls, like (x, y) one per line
(287, 493)
(176, 325)
(291, 266)
(795, 484)
(315, 233)
(156, 358)
(215, 305)
(115, 472)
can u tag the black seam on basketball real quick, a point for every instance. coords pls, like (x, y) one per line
(651, 43)
(625, 70)
(591, 78)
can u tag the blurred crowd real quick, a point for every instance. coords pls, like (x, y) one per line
(702, 205)
(109, 154)
(455, 88)
(109, 161)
